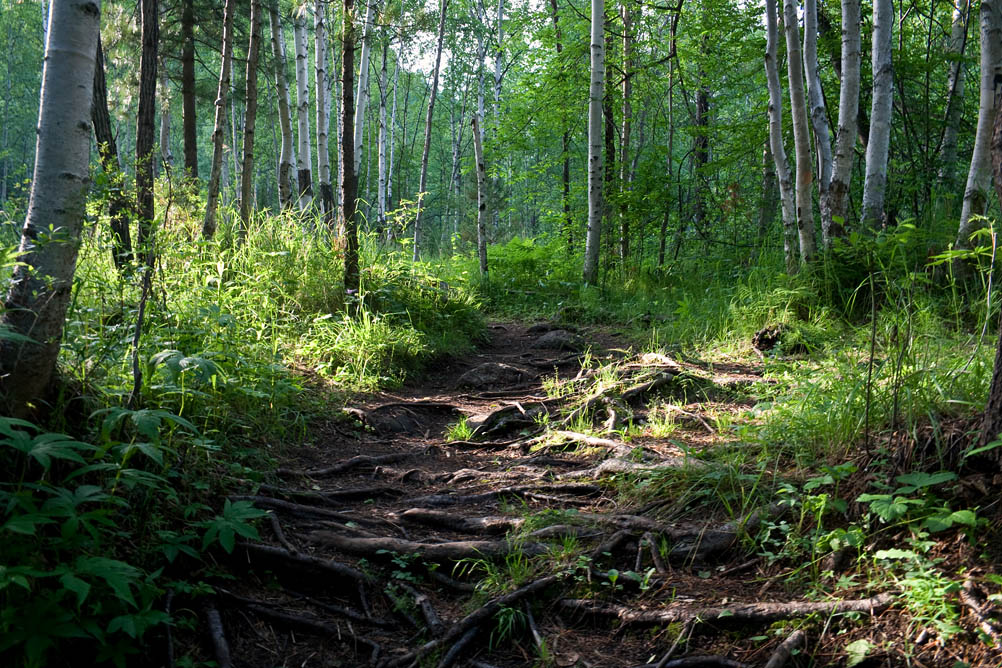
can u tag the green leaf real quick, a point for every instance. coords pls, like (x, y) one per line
(118, 575)
(77, 586)
(920, 479)
(124, 623)
(25, 524)
(857, 651)
(966, 517)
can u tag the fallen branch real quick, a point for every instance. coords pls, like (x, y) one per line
(435, 552)
(751, 613)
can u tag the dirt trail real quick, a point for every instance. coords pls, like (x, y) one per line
(390, 545)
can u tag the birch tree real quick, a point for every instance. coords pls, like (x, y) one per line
(219, 126)
(979, 176)
(478, 150)
(786, 194)
(250, 118)
(879, 137)
(40, 287)
(818, 114)
(834, 216)
(304, 157)
(287, 193)
(323, 111)
(349, 179)
(801, 139)
(381, 140)
(596, 166)
(362, 97)
(954, 94)
(627, 120)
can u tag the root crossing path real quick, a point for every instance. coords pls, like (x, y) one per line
(505, 512)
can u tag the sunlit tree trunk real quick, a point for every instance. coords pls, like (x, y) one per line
(146, 126)
(219, 127)
(287, 191)
(979, 177)
(624, 146)
(478, 150)
(498, 66)
(250, 118)
(818, 114)
(381, 141)
(833, 218)
(427, 132)
(304, 157)
(323, 111)
(565, 177)
(41, 284)
(879, 136)
(801, 138)
(190, 128)
(362, 97)
(786, 193)
(596, 166)
(954, 95)
(349, 179)
(393, 136)
(165, 152)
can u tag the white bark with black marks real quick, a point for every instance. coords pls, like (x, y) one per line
(879, 139)
(783, 174)
(596, 137)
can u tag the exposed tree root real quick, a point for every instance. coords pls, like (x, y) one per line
(218, 635)
(751, 613)
(431, 619)
(699, 661)
(434, 552)
(314, 626)
(522, 492)
(784, 652)
(457, 649)
(492, 524)
(297, 562)
(357, 462)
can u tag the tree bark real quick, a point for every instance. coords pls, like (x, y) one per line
(624, 146)
(188, 88)
(381, 141)
(991, 424)
(40, 288)
(287, 158)
(427, 133)
(776, 138)
(565, 176)
(954, 95)
(250, 118)
(323, 111)
(979, 177)
(165, 152)
(107, 150)
(834, 218)
(219, 126)
(146, 127)
(596, 167)
(801, 139)
(349, 178)
(769, 199)
(478, 150)
(879, 138)
(304, 157)
(818, 114)
(362, 97)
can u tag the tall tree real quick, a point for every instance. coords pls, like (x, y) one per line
(478, 152)
(165, 152)
(954, 94)
(801, 139)
(250, 118)
(287, 192)
(879, 138)
(979, 177)
(423, 183)
(349, 179)
(626, 15)
(786, 194)
(219, 126)
(834, 216)
(322, 91)
(362, 97)
(596, 168)
(40, 288)
(817, 112)
(188, 88)
(381, 140)
(146, 126)
(565, 175)
(304, 157)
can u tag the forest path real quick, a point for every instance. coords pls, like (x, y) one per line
(389, 544)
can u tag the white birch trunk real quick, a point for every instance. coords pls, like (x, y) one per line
(499, 67)
(776, 138)
(322, 92)
(878, 143)
(979, 177)
(478, 150)
(624, 153)
(219, 126)
(848, 114)
(818, 114)
(801, 138)
(596, 137)
(247, 193)
(362, 96)
(393, 135)
(287, 189)
(381, 152)
(954, 94)
(304, 159)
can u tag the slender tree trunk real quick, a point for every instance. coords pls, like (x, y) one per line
(624, 146)
(478, 150)
(596, 168)
(776, 138)
(393, 136)
(349, 178)
(362, 98)
(107, 150)
(834, 218)
(250, 118)
(381, 153)
(427, 132)
(219, 127)
(701, 143)
(879, 138)
(41, 285)
(323, 112)
(801, 138)
(188, 88)
(818, 115)
(565, 140)
(769, 200)
(954, 95)
(165, 152)
(979, 177)
(287, 158)
(146, 126)
(304, 157)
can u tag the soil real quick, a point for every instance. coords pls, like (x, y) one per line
(391, 545)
